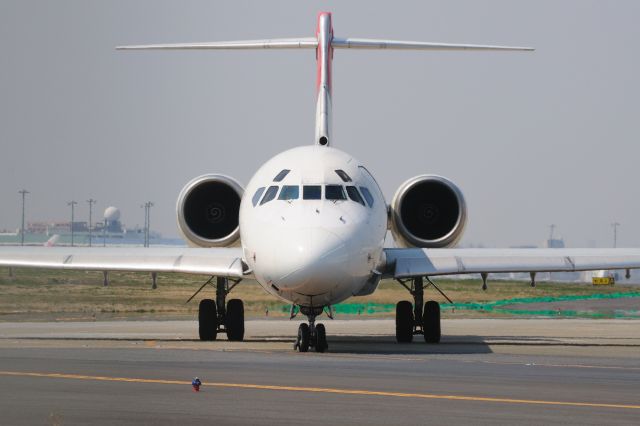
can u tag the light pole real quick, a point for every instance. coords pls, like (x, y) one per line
(144, 243)
(73, 207)
(24, 192)
(91, 202)
(615, 233)
(147, 221)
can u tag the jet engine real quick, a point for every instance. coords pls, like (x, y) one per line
(208, 211)
(428, 211)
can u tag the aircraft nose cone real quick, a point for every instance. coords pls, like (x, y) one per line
(312, 260)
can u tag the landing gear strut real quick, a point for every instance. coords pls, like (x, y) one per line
(311, 335)
(416, 319)
(220, 316)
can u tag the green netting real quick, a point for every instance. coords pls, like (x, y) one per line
(497, 307)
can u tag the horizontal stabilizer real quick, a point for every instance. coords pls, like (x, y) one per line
(324, 44)
(365, 43)
(276, 43)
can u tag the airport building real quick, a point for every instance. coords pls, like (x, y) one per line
(110, 231)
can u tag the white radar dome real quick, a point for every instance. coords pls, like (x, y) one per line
(112, 214)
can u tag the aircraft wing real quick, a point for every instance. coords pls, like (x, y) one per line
(414, 262)
(225, 262)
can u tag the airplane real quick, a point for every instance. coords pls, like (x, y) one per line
(310, 226)
(52, 241)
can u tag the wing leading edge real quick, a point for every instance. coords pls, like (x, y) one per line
(226, 262)
(406, 263)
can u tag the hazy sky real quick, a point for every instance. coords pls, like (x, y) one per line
(531, 138)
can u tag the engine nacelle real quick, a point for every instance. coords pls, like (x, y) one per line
(428, 211)
(208, 210)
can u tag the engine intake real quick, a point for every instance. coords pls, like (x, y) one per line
(428, 211)
(208, 211)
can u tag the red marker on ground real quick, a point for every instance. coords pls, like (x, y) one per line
(196, 383)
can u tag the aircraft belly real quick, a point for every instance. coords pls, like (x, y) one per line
(339, 292)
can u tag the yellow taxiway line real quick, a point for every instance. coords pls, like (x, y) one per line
(322, 390)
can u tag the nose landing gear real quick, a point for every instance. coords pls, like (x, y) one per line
(311, 335)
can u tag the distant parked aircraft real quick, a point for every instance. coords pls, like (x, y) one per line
(52, 241)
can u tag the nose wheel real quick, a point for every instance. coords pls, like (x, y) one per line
(311, 335)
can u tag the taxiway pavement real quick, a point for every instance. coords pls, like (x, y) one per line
(484, 372)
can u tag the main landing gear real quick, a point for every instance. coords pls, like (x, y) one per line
(414, 319)
(219, 316)
(311, 335)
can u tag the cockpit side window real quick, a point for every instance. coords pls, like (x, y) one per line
(334, 192)
(269, 195)
(289, 192)
(311, 192)
(343, 175)
(367, 195)
(353, 193)
(257, 195)
(281, 175)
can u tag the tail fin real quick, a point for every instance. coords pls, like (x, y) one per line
(52, 241)
(324, 43)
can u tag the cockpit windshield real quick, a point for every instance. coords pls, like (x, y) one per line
(311, 192)
(269, 195)
(281, 175)
(367, 195)
(314, 192)
(334, 192)
(289, 192)
(353, 193)
(343, 175)
(257, 195)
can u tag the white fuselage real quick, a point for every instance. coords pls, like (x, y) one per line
(307, 245)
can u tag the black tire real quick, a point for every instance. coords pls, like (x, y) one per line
(431, 318)
(235, 320)
(208, 320)
(321, 338)
(404, 322)
(303, 337)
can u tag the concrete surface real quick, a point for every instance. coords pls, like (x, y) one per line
(484, 372)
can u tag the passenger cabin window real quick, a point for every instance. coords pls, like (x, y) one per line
(289, 192)
(334, 192)
(269, 195)
(281, 175)
(311, 192)
(257, 195)
(367, 195)
(343, 175)
(353, 193)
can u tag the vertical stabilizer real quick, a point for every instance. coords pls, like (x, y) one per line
(324, 55)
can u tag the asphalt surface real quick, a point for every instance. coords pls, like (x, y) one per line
(598, 306)
(485, 372)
